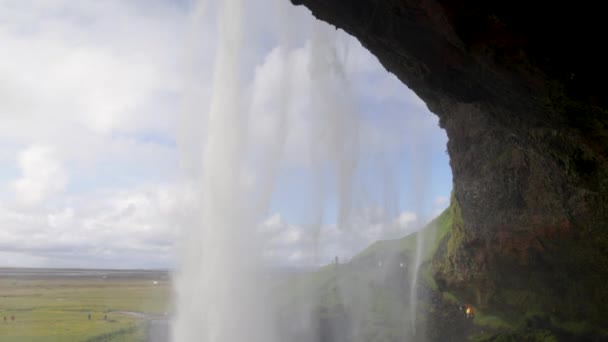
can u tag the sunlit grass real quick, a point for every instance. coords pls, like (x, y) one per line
(58, 309)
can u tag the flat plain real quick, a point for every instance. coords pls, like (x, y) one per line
(54, 305)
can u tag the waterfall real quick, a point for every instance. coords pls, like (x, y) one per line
(223, 292)
(220, 293)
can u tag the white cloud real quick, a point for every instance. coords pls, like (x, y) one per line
(123, 228)
(91, 66)
(89, 93)
(441, 201)
(88, 76)
(301, 245)
(439, 204)
(406, 218)
(43, 175)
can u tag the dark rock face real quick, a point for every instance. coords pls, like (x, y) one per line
(518, 89)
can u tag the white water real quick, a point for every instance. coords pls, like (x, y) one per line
(220, 295)
(222, 292)
(414, 282)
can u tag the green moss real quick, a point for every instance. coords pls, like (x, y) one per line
(448, 243)
(457, 229)
(522, 336)
(443, 224)
(450, 298)
(427, 276)
(491, 321)
(577, 328)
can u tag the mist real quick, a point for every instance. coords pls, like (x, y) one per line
(296, 108)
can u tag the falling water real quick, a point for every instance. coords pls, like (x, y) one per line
(222, 290)
(420, 187)
(220, 295)
(414, 282)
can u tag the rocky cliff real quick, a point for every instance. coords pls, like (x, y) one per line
(519, 89)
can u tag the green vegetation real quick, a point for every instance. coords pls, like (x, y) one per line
(490, 321)
(528, 336)
(450, 298)
(57, 309)
(432, 235)
(456, 227)
(378, 295)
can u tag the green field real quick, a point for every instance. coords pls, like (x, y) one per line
(49, 308)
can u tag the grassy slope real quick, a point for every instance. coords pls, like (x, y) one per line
(57, 309)
(360, 283)
(432, 234)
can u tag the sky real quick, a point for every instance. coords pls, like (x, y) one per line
(102, 126)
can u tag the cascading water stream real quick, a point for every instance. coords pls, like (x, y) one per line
(414, 282)
(219, 293)
(222, 289)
